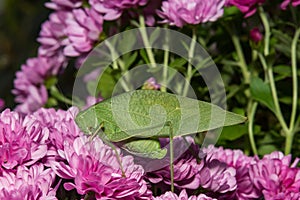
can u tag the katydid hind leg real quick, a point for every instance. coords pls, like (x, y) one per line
(169, 123)
(105, 139)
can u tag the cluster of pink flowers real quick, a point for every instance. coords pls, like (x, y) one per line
(47, 145)
(43, 149)
(74, 28)
(285, 3)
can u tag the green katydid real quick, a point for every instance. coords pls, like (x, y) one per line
(139, 118)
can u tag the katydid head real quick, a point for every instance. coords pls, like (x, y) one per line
(87, 121)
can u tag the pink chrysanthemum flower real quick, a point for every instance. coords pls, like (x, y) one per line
(248, 7)
(94, 167)
(216, 176)
(285, 3)
(83, 31)
(29, 89)
(91, 100)
(21, 142)
(241, 163)
(113, 9)
(28, 184)
(182, 196)
(53, 35)
(64, 4)
(181, 12)
(60, 124)
(186, 168)
(276, 177)
(2, 104)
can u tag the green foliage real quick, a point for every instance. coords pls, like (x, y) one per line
(261, 92)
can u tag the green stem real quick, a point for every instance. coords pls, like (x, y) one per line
(190, 57)
(57, 95)
(295, 80)
(290, 134)
(89, 195)
(251, 113)
(115, 56)
(278, 112)
(242, 61)
(165, 67)
(146, 41)
(266, 24)
(289, 143)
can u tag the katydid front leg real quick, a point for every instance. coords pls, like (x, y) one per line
(102, 135)
(168, 123)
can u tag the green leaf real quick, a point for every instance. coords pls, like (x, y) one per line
(106, 80)
(144, 114)
(144, 55)
(233, 132)
(154, 35)
(178, 62)
(261, 92)
(145, 148)
(266, 149)
(129, 59)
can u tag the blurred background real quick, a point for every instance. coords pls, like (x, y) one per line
(20, 23)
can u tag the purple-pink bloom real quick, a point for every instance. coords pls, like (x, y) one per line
(216, 176)
(248, 7)
(151, 84)
(53, 35)
(275, 176)
(34, 183)
(21, 142)
(94, 167)
(113, 9)
(61, 127)
(237, 159)
(2, 104)
(63, 4)
(182, 196)
(83, 31)
(285, 3)
(255, 35)
(91, 100)
(181, 12)
(29, 89)
(186, 168)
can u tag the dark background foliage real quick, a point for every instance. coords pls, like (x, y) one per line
(19, 27)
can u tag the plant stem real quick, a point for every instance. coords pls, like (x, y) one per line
(59, 96)
(266, 24)
(88, 195)
(291, 132)
(166, 64)
(246, 74)
(146, 41)
(295, 80)
(242, 61)
(278, 112)
(190, 57)
(251, 113)
(115, 56)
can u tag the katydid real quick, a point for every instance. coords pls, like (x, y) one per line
(139, 118)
